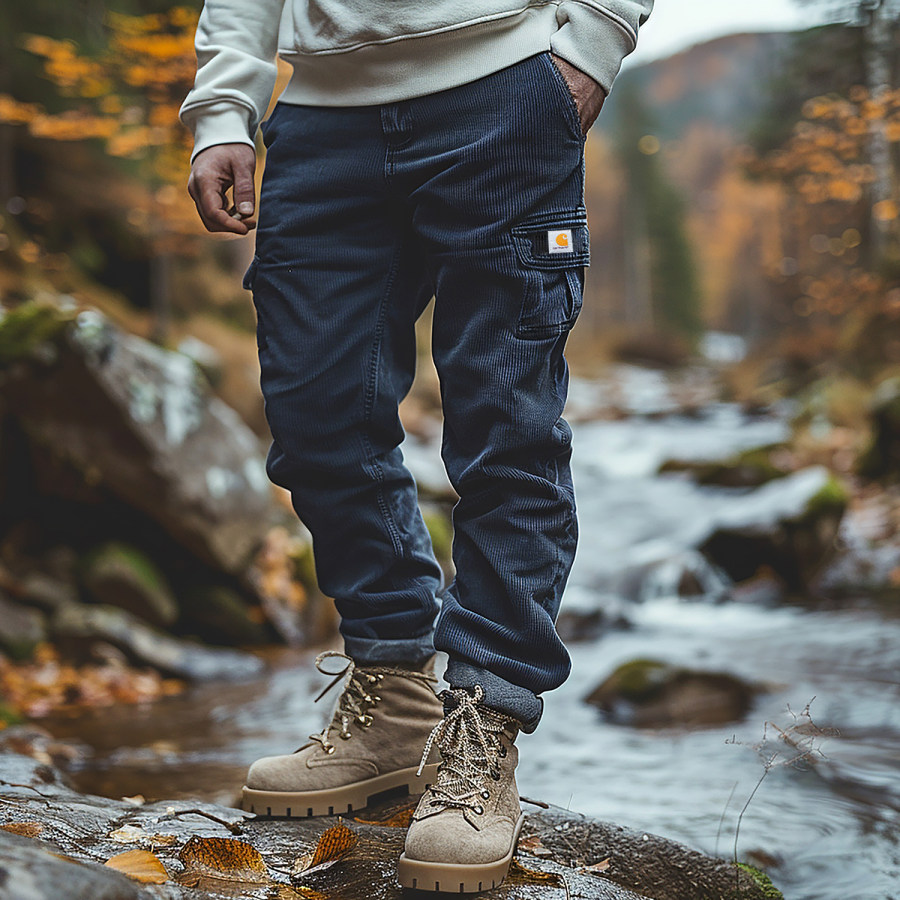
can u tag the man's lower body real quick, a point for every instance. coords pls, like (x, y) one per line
(474, 195)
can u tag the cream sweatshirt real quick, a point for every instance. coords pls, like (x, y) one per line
(358, 52)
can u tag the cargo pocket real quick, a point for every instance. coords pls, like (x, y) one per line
(553, 250)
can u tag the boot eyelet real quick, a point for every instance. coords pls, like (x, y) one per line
(379, 677)
(495, 776)
(502, 752)
(346, 735)
(486, 795)
(479, 810)
(365, 720)
(329, 749)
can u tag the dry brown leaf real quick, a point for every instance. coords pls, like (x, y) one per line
(334, 844)
(532, 844)
(26, 829)
(400, 818)
(518, 874)
(139, 865)
(599, 867)
(224, 858)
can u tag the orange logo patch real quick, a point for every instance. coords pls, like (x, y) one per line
(560, 241)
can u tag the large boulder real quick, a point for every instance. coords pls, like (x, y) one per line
(141, 423)
(78, 629)
(647, 693)
(882, 457)
(787, 526)
(21, 628)
(121, 575)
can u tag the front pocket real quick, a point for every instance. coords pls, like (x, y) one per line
(553, 251)
(572, 113)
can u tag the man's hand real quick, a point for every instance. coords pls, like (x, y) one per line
(586, 92)
(215, 170)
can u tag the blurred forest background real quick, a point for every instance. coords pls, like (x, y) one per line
(740, 340)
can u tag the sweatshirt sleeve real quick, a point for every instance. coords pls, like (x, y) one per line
(596, 36)
(236, 45)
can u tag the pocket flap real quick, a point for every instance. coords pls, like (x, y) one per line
(553, 241)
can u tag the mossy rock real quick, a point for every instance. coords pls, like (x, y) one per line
(21, 629)
(219, 613)
(750, 468)
(647, 693)
(118, 574)
(25, 328)
(763, 882)
(881, 459)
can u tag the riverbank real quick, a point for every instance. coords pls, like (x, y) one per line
(56, 842)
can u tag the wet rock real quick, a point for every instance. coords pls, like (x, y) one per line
(21, 629)
(587, 615)
(750, 468)
(46, 592)
(764, 589)
(221, 614)
(34, 870)
(688, 576)
(862, 571)
(787, 526)
(647, 693)
(641, 866)
(121, 575)
(882, 458)
(78, 628)
(141, 423)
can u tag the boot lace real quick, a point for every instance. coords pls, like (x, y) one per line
(469, 741)
(358, 695)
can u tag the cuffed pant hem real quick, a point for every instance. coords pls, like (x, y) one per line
(372, 651)
(499, 694)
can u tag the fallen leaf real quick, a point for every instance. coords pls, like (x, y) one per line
(225, 858)
(518, 874)
(136, 800)
(26, 829)
(598, 867)
(128, 834)
(334, 844)
(395, 816)
(532, 844)
(162, 840)
(139, 865)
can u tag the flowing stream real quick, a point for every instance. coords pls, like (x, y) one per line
(828, 829)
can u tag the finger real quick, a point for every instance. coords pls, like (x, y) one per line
(211, 207)
(244, 188)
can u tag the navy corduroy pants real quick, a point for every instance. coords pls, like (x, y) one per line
(473, 195)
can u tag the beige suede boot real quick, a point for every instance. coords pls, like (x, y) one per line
(373, 743)
(465, 828)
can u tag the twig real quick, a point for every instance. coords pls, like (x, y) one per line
(233, 827)
(539, 803)
(722, 817)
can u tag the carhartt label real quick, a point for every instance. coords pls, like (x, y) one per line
(560, 241)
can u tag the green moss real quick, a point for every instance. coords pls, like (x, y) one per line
(26, 327)
(763, 882)
(640, 677)
(832, 498)
(9, 716)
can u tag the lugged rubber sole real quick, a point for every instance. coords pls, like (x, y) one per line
(456, 878)
(337, 800)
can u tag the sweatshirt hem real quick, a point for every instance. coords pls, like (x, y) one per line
(391, 72)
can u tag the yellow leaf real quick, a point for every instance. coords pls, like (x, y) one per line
(224, 858)
(532, 844)
(334, 844)
(139, 865)
(886, 211)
